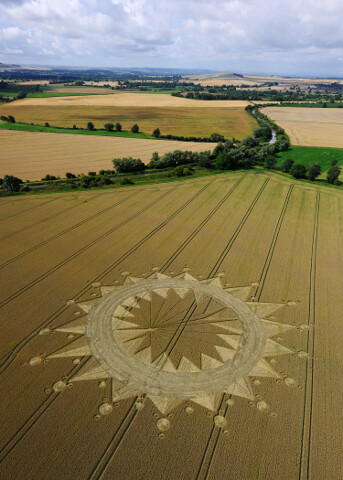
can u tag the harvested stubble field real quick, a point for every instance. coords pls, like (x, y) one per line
(315, 127)
(172, 115)
(31, 155)
(73, 409)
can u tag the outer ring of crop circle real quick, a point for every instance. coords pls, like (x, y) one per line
(149, 378)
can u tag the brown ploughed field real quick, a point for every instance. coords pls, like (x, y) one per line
(180, 331)
(31, 155)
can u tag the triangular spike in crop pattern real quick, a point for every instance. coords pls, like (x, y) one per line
(86, 306)
(233, 326)
(130, 279)
(106, 289)
(215, 282)
(239, 292)
(164, 363)
(181, 292)
(77, 326)
(186, 276)
(210, 401)
(158, 276)
(187, 366)
(122, 312)
(232, 340)
(164, 404)
(264, 309)
(273, 348)
(263, 369)
(92, 370)
(241, 388)
(77, 348)
(273, 328)
(209, 362)
(226, 353)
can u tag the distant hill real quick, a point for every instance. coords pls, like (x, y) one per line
(124, 71)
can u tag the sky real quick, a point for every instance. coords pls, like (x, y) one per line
(287, 37)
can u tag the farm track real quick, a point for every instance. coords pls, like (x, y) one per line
(11, 356)
(113, 445)
(79, 252)
(304, 467)
(35, 224)
(210, 449)
(27, 210)
(67, 230)
(237, 231)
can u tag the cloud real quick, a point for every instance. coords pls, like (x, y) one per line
(240, 35)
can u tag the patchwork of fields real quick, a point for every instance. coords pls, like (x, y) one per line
(316, 127)
(172, 115)
(32, 155)
(274, 244)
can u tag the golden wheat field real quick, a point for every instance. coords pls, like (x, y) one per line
(316, 127)
(31, 155)
(172, 115)
(188, 330)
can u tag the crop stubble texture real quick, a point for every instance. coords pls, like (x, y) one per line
(251, 228)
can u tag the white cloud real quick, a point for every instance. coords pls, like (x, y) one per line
(240, 35)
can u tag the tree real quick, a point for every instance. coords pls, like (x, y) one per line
(11, 119)
(49, 177)
(216, 137)
(298, 171)
(156, 133)
(90, 126)
(182, 171)
(155, 161)
(11, 183)
(109, 127)
(313, 171)
(70, 175)
(128, 165)
(91, 174)
(333, 174)
(205, 159)
(118, 127)
(270, 162)
(287, 164)
(135, 128)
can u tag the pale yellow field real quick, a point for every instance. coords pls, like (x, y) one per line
(123, 99)
(219, 79)
(32, 155)
(316, 127)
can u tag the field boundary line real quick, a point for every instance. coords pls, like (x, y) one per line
(67, 230)
(304, 466)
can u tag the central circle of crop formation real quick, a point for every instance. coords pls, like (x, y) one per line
(175, 337)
